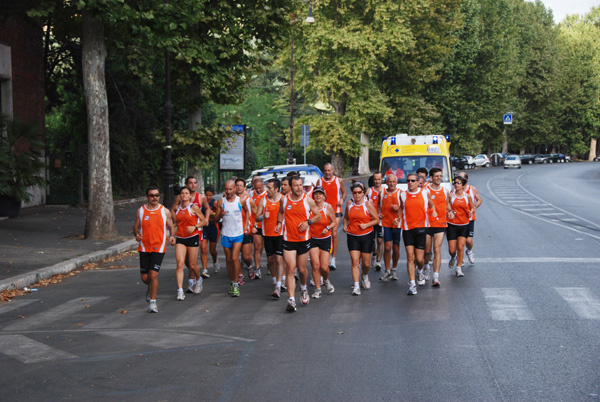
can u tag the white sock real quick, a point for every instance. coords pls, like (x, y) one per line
(303, 288)
(274, 280)
(420, 271)
(394, 269)
(355, 284)
(436, 275)
(178, 289)
(191, 282)
(412, 283)
(278, 284)
(365, 276)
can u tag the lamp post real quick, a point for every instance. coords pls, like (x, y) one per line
(168, 172)
(310, 19)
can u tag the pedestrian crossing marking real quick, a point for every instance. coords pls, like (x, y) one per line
(581, 301)
(169, 339)
(54, 314)
(15, 304)
(116, 319)
(505, 304)
(27, 350)
(196, 315)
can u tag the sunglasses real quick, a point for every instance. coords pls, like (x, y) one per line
(458, 182)
(357, 192)
(411, 180)
(153, 195)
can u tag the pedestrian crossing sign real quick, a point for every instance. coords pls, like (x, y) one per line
(508, 118)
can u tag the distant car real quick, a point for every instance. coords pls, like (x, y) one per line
(497, 159)
(482, 160)
(542, 158)
(459, 162)
(527, 159)
(512, 161)
(470, 161)
(597, 158)
(306, 172)
(557, 158)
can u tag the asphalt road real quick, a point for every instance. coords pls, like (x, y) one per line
(521, 325)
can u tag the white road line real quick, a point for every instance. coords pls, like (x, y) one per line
(14, 304)
(581, 301)
(505, 304)
(170, 339)
(27, 350)
(54, 314)
(545, 260)
(537, 209)
(202, 311)
(551, 213)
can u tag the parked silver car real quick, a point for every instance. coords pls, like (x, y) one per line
(512, 161)
(482, 160)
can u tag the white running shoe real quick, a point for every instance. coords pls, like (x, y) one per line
(420, 279)
(459, 272)
(276, 291)
(216, 268)
(452, 262)
(291, 306)
(426, 274)
(152, 308)
(435, 283)
(198, 287)
(329, 286)
(471, 256)
(387, 275)
(412, 290)
(311, 282)
(257, 273)
(180, 295)
(394, 275)
(317, 294)
(190, 288)
(356, 291)
(366, 284)
(205, 273)
(304, 298)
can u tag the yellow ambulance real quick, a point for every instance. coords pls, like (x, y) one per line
(402, 154)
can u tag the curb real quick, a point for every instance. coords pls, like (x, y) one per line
(21, 281)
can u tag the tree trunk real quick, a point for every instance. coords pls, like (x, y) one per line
(100, 218)
(593, 150)
(337, 160)
(505, 143)
(194, 123)
(363, 161)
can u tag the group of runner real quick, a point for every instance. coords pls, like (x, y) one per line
(291, 222)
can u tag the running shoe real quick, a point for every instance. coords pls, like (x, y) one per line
(317, 294)
(356, 291)
(332, 267)
(235, 292)
(394, 275)
(216, 268)
(311, 282)
(198, 288)
(329, 286)
(387, 275)
(241, 280)
(190, 288)
(152, 308)
(459, 272)
(257, 274)
(205, 273)
(435, 283)
(412, 290)
(283, 286)
(251, 273)
(304, 298)
(452, 262)
(148, 295)
(365, 282)
(420, 279)
(291, 306)
(471, 256)
(180, 295)
(426, 274)
(276, 291)
(296, 274)
(230, 289)
(378, 266)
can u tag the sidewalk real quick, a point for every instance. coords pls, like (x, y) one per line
(48, 240)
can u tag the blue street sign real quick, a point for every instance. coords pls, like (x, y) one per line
(305, 135)
(508, 118)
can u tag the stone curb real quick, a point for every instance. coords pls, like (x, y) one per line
(21, 281)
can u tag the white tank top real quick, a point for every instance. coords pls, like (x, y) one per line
(233, 224)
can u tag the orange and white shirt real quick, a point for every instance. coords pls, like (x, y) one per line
(186, 217)
(469, 191)
(374, 196)
(439, 199)
(316, 229)
(153, 229)
(414, 209)
(333, 190)
(460, 206)
(270, 211)
(388, 199)
(257, 198)
(294, 213)
(358, 214)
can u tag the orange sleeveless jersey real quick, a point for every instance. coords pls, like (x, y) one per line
(414, 210)
(257, 197)
(153, 229)
(333, 191)
(438, 197)
(186, 217)
(270, 211)
(471, 194)
(387, 200)
(316, 229)
(247, 229)
(295, 212)
(358, 214)
(460, 206)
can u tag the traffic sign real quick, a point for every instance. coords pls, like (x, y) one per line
(508, 118)
(305, 135)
